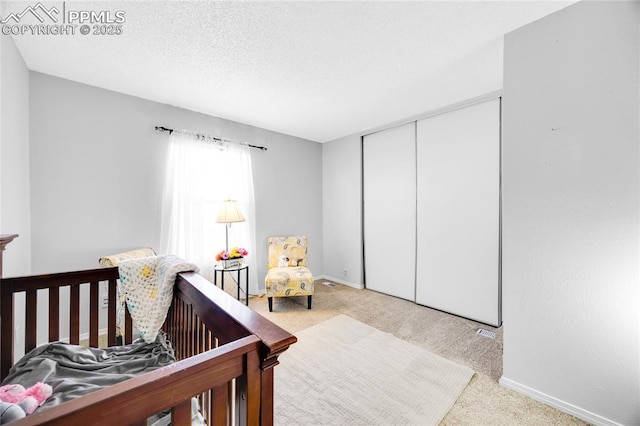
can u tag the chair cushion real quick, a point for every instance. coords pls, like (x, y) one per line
(294, 248)
(283, 282)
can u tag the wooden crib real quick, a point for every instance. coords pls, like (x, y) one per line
(226, 352)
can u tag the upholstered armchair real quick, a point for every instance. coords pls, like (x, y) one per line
(288, 274)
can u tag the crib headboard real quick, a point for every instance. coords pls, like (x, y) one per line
(52, 283)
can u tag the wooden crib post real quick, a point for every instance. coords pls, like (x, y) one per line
(6, 330)
(266, 383)
(6, 320)
(4, 240)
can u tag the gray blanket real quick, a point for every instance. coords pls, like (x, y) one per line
(73, 371)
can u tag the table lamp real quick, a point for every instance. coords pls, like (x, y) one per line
(229, 213)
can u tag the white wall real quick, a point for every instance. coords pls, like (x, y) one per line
(14, 158)
(571, 218)
(97, 172)
(342, 210)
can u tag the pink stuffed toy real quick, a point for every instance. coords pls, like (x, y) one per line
(28, 399)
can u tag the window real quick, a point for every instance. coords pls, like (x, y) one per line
(201, 173)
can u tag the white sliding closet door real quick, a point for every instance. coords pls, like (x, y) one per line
(390, 210)
(458, 187)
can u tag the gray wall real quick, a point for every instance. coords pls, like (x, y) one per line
(14, 158)
(342, 210)
(97, 170)
(288, 192)
(571, 211)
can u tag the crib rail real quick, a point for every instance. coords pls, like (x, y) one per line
(203, 316)
(51, 285)
(133, 401)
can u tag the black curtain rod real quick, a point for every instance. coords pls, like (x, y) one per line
(166, 129)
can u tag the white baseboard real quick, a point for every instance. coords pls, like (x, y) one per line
(339, 281)
(561, 405)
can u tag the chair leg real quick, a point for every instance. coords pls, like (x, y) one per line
(270, 299)
(309, 302)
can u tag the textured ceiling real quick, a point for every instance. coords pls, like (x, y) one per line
(317, 70)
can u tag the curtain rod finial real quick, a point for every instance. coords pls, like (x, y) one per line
(164, 129)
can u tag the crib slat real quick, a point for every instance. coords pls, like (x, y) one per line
(94, 307)
(74, 315)
(31, 323)
(168, 325)
(111, 313)
(177, 335)
(181, 413)
(181, 329)
(219, 412)
(192, 335)
(206, 337)
(54, 314)
(128, 327)
(200, 339)
(192, 332)
(189, 330)
(176, 329)
(185, 332)
(187, 320)
(210, 408)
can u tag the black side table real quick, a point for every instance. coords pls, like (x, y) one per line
(237, 269)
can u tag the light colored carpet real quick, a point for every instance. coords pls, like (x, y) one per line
(483, 401)
(342, 371)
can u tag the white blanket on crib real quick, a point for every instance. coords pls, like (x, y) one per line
(147, 284)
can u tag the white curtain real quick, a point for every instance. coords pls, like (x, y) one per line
(201, 173)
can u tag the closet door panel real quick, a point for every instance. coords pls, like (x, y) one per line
(389, 179)
(458, 184)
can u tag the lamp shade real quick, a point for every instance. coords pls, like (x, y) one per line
(229, 212)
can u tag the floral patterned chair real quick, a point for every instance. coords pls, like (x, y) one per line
(287, 273)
